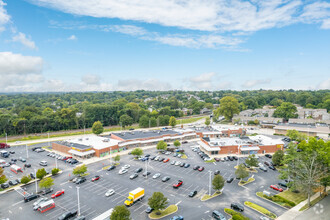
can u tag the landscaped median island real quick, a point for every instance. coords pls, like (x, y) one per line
(252, 170)
(235, 215)
(206, 197)
(296, 197)
(163, 213)
(242, 182)
(277, 199)
(260, 209)
(210, 161)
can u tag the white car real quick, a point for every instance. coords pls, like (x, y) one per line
(177, 163)
(156, 176)
(126, 166)
(168, 152)
(122, 171)
(173, 162)
(109, 192)
(44, 199)
(43, 163)
(157, 158)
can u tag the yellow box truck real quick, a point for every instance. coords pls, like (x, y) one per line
(134, 196)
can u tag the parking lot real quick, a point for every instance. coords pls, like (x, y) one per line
(93, 201)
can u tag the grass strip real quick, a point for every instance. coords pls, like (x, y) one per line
(260, 209)
(206, 197)
(242, 182)
(235, 215)
(313, 202)
(294, 197)
(163, 213)
(277, 199)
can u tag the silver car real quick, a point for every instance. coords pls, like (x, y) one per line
(109, 192)
(156, 176)
(36, 205)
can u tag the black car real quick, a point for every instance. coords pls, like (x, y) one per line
(283, 183)
(147, 173)
(13, 159)
(229, 180)
(13, 182)
(149, 210)
(237, 206)
(152, 158)
(47, 191)
(32, 175)
(80, 180)
(235, 158)
(192, 193)
(166, 178)
(27, 165)
(148, 155)
(12, 152)
(4, 185)
(196, 167)
(67, 215)
(138, 170)
(111, 167)
(162, 159)
(272, 167)
(74, 161)
(217, 172)
(35, 148)
(268, 155)
(182, 165)
(230, 158)
(30, 197)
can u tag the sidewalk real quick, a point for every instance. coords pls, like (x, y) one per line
(294, 212)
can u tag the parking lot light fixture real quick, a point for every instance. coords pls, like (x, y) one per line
(55, 162)
(6, 139)
(27, 153)
(78, 201)
(210, 172)
(35, 175)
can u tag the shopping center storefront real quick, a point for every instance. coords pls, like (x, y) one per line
(249, 150)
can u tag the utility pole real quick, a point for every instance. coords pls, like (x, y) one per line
(27, 153)
(6, 139)
(149, 123)
(48, 140)
(78, 201)
(55, 162)
(35, 175)
(84, 129)
(210, 182)
(238, 147)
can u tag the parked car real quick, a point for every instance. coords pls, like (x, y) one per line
(156, 176)
(235, 158)
(178, 184)
(152, 158)
(192, 193)
(110, 192)
(95, 178)
(12, 152)
(263, 168)
(13, 182)
(182, 164)
(138, 170)
(58, 193)
(36, 204)
(263, 218)
(31, 197)
(196, 167)
(186, 165)
(80, 180)
(133, 176)
(43, 163)
(4, 185)
(177, 163)
(126, 166)
(67, 215)
(122, 171)
(268, 155)
(22, 159)
(217, 159)
(173, 162)
(146, 173)
(266, 163)
(200, 169)
(111, 168)
(32, 176)
(47, 191)
(272, 167)
(177, 217)
(217, 215)
(237, 206)
(229, 180)
(277, 188)
(165, 161)
(166, 178)
(27, 165)
(283, 183)
(217, 172)
(149, 210)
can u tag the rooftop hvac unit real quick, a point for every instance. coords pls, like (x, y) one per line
(87, 139)
(80, 139)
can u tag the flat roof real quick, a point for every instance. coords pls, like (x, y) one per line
(142, 134)
(90, 141)
(250, 140)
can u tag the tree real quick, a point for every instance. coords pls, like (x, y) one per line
(80, 170)
(97, 127)
(144, 121)
(278, 158)
(207, 121)
(3, 177)
(228, 107)
(126, 120)
(218, 182)
(252, 161)
(157, 201)
(177, 143)
(296, 135)
(41, 173)
(241, 172)
(161, 145)
(120, 213)
(55, 171)
(286, 110)
(25, 179)
(117, 158)
(137, 152)
(172, 121)
(46, 183)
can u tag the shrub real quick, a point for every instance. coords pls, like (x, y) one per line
(236, 215)
(25, 179)
(279, 199)
(55, 171)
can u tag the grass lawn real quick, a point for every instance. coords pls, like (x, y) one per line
(210, 161)
(294, 197)
(236, 214)
(260, 209)
(242, 183)
(168, 211)
(277, 200)
(313, 202)
(189, 120)
(252, 170)
(85, 174)
(207, 196)
(184, 157)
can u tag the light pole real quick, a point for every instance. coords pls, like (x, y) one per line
(78, 201)
(48, 140)
(210, 182)
(35, 175)
(27, 153)
(6, 139)
(238, 147)
(55, 162)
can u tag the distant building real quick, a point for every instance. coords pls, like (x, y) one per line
(205, 111)
(320, 130)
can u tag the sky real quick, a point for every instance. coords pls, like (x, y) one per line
(108, 45)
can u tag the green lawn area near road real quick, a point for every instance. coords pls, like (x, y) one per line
(294, 197)
(277, 199)
(235, 215)
(189, 120)
(168, 211)
(207, 196)
(260, 209)
(242, 183)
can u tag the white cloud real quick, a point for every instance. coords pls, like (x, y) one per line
(326, 24)
(126, 29)
(202, 81)
(4, 17)
(324, 84)
(91, 79)
(148, 84)
(72, 37)
(253, 83)
(18, 72)
(21, 38)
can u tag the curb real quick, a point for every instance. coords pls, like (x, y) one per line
(261, 212)
(177, 208)
(273, 202)
(211, 197)
(246, 182)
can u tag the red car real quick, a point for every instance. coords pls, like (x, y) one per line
(95, 178)
(276, 188)
(58, 193)
(165, 161)
(178, 184)
(200, 169)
